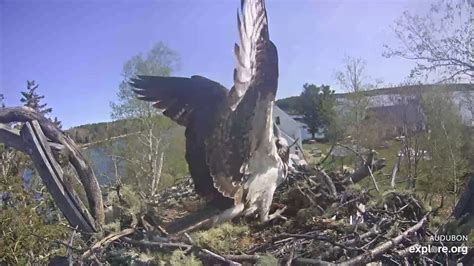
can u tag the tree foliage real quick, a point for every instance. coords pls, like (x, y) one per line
(31, 98)
(440, 42)
(354, 80)
(29, 227)
(444, 142)
(317, 106)
(290, 105)
(156, 154)
(159, 61)
(2, 98)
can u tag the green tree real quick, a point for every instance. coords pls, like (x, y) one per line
(290, 105)
(354, 80)
(155, 156)
(444, 141)
(28, 234)
(28, 227)
(159, 61)
(32, 99)
(317, 106)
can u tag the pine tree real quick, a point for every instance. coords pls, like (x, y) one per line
(2, 98)
(33, 100)
(57, 122)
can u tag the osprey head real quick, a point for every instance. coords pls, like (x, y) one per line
(281, 143)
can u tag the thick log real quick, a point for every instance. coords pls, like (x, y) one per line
(52, 176)
(84, 171)
(364, 171)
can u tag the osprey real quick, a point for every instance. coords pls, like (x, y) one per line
(235, 153)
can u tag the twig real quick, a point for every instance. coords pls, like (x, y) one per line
(306, 261)
(106, 241)
(161, 245)
(155, 245)
(69, 250)
(290, 257)
(219, 257)
(395, 169)
(188, 237)
(327, 155)
(328, 180)
(371, 254)
(244, 258)
(373, 178)
(373, 231)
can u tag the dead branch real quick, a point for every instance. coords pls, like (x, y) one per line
(395, 169)
(368, 167)
(171, 245)
(155, 245)
(84, 171)
(219, 257)
(365, 170)
(105, 242)
(244, 258)
(69, 249)
(35, 144)
(372, 254)
(157, 176)
(329, 182)
(327, 154)
(306, 261)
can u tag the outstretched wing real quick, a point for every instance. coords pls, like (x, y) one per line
(256, 55)
(255, 78)
(179, 97)
(194, 103)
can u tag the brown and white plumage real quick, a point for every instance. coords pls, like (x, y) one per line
(234, 156)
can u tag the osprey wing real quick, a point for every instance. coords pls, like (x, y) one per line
(191, 102)
(256, 57)
(179, 97)
(255, 77)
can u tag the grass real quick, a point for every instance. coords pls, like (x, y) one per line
(225, 238)
(383, 177)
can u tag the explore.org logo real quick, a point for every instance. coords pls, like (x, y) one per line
(439, 244)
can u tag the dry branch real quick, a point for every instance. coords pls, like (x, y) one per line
(380, 249)
(84, 171)
(365, 170)
(105, 242)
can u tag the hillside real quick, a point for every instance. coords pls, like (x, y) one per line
(290, 105)
(102, 131)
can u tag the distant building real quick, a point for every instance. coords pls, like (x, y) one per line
(461, 94)
(396, 118)
(290, 128)
(398, 107)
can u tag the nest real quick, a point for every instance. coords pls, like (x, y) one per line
(330, 220)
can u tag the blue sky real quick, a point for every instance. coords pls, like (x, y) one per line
(75, 49)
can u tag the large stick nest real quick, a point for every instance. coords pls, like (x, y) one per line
(329, 221)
